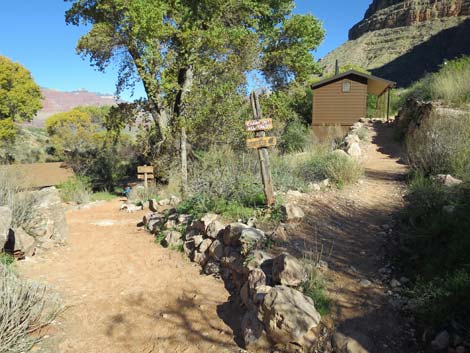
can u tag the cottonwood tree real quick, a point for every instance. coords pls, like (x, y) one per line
(20, 97)
(174, 45)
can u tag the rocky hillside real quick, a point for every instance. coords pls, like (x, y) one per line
(58, 101)
(403, 39)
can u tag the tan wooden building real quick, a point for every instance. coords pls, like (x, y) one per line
(341, 100)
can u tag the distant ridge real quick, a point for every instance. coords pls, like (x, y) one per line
(58, 101)
(402, 40)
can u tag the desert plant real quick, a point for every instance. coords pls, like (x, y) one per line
(25, 308)
(142, 193)
(441, 144)
(18, 198)
(77, 189)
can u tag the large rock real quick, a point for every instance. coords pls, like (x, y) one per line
(173, 238)
(350, 139)
(288, 271)
(253, 333)
(354, 342)
(214, 228)
(231, 234)
(354, 150)
(216, 250)
(5, 224)
(448, 180)
(20, 242)
(292, 213)
(212, 267)
(49, 216)
(205, 245)
(289, 317)
(251, 239)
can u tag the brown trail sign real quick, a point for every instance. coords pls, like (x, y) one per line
(259, 125)
(145, 173)
(261, 142)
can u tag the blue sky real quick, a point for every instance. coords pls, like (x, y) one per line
(34, 33)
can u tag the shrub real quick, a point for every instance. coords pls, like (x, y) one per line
(142, 194)
(26, 307)
(19, 199)
(294, 138)
(76, 189)
(450, 84)
(441, 144)
(315, 288)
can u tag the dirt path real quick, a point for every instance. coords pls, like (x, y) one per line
(127, 294)
(354, 225)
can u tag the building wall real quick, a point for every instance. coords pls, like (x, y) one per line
(332, 106)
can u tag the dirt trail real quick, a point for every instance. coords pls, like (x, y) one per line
(353, 224)
(127, 294)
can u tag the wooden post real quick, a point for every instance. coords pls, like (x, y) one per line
(263, 154)
(388, 104)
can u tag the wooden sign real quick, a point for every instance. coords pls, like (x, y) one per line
(260, 142)
(259, 125)
(145, 169)
(145, 173)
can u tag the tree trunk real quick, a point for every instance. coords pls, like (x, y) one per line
(184, 164)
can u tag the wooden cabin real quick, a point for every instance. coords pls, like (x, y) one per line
(341, 100)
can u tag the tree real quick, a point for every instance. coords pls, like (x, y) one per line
(173, 45)
(20, 96)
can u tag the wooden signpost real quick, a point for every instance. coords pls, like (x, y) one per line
(145, 173)
(261, 142)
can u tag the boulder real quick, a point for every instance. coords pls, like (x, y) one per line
(150, 216)
(353, 342)
(259, 259)
(197, 227)
(170, 224)
(448, 180)
(231, 234)
(155, 224)
(355, 150)
(208, 219)
(256, 279)
(280, 233)
(292, 213)
(184, 219)
(189, 247)
(164, 202)
(20, 242)
(200, 258)
(216, 250)
(251, 239)
(49, 216)
(214, 228)
(198, 239)
(173, 238)
(260, 294)
(350, 139)
(254, 336)
(212, 267)
(205, 245)
(441, 341)
(289, 317)
(5, 224)
(153, 205)
(288, 271)
(234, 262)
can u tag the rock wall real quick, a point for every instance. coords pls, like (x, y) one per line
(274, 313)
(399, 13)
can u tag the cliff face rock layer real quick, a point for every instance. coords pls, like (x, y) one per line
(403, 39)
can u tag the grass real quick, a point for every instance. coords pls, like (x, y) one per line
(315, 288)
(103, 196)
(6, 259)
(451, 84)
(77, 189)
(435, 251)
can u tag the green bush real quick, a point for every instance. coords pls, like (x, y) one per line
(315, 288)
(441, 144)
(76, 189)
(450, 84)
(295, 137)
(435, 250)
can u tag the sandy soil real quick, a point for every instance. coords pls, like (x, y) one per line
(126, 294)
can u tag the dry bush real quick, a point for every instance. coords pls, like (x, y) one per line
(25, 307)
(19, 199)
(142, 194)
(441, 144)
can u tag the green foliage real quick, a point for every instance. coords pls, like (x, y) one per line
(8, 130)
(76, 190)
(294, 138)
(441, 144)
(103, 196)
(450, 84)
(20, 96)
(435, 250)
(6, 259)
(315, 288)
